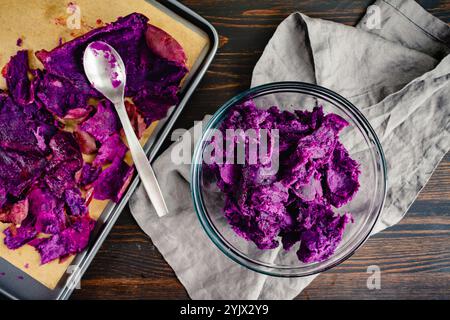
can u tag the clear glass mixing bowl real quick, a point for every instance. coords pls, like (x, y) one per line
(360, 140)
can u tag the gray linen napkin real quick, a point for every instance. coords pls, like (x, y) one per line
(394, 66)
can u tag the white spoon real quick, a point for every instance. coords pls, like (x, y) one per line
(105, 70)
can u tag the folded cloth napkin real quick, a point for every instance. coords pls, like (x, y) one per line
(394, 66)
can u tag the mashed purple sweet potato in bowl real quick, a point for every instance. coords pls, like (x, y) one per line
(288, 179)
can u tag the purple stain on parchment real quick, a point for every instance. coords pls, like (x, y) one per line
(19, 42)
(27, 265)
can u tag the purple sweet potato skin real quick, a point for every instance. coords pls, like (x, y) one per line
(89, 174)
(75, 203)
(112, 181)
(59, 96)
(20, 236)
(17, 78)
(150, 68)
(103, 123)
(70, 241)
(66, 160)
(15, 213)
(47, 211)
(295, 203)
(112, 147)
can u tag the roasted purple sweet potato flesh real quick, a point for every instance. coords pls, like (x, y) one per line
(294, 203)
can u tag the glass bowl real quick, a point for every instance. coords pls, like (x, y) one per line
(360, 140)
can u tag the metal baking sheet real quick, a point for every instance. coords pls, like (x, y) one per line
(19, 285)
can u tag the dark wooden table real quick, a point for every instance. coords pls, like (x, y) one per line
(414, 256)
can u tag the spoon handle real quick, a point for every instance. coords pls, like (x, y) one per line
(142, 163)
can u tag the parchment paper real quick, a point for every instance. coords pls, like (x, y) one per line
(41, 24)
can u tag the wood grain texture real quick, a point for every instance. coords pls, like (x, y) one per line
(414, 256)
